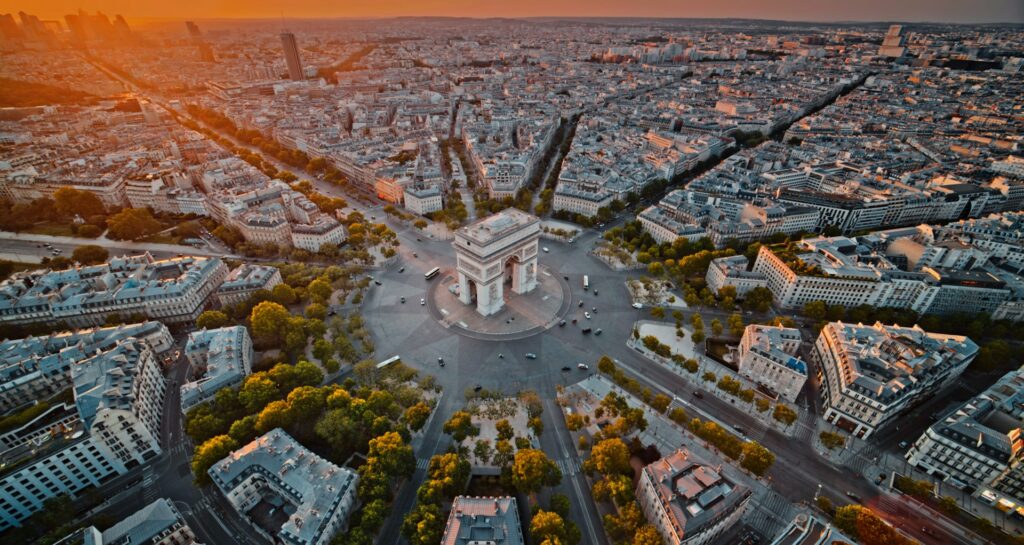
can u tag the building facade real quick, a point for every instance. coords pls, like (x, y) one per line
(219, 358)
(768, 356)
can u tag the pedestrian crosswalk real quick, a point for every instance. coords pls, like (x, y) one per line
(149, 491)
(422, 463)
(568, 466)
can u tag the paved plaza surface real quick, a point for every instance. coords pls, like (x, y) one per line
(521, 316)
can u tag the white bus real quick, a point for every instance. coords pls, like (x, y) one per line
(432, 273)
(388, 362)
(586, 282)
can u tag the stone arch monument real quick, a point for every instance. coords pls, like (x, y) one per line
(487, 248)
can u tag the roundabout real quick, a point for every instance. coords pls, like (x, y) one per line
(520, 317)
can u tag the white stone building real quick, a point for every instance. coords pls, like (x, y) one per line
(423, 200)
(244, 280)
(768, 356)
(732, 271)
(689, 501)
(219, 358)
(870, 374)
(319, 496)
(158, 523)
(494, 521)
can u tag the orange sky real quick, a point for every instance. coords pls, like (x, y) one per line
(815, 10)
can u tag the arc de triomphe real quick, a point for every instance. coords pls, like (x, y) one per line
(486, 247)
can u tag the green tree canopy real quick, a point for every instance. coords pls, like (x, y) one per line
(212, 319)
(209, 453)
(90, 254)
(132, 224)
(532, 470)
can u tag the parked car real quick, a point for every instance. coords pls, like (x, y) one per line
(402, 270)
(585, 330)
(545, 249)
(597, 331)
(403, 300)
(587, 314)
(561, 323)
(422, 301)
(638, 306)
(566, 368)
(582, 366)
(531, 356)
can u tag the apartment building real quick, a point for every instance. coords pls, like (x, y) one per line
(219, 358)
(768, 356)
(118, 396)
(732, 271)
(158, 523)
(663, 227)
(317, 496)
(810, 530)
(581, 199)
(978, 442)
(36, 368)
(870, 374)
(171, 290)
(423, 200)
(689, 501)
(244, 280)
(474, 520)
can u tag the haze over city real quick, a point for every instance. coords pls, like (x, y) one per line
(947, 11)
(546, 273)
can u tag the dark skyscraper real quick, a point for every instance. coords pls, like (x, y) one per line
(291, 56)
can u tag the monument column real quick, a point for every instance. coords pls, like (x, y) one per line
(464, 291)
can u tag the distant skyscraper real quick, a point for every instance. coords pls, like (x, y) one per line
(892, 44)
(291, 56)
(193, 30)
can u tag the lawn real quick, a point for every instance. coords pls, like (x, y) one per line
(52, 229)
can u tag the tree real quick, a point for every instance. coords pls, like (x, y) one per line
(756, 458)
(319, 290)
(574, 422)
(391, 453)
(537, 425)
(277, 414)
(460, 426)
(784, 414)
(716, 327)
(244, 429)
(132, 224)
(483, 451)
(532, 470)
(547, 525)
(201, 424)
(424, 525)
(212, 319)
(90, 254)
(89, 230)
(816, 310)
(698, 336)
(504, 429)
(759, 299)
(661, 402)
(209, 453)
(306, 403)
(268, 320)
(658, 312)
(647, 535)
(284, 294)
(416, 416)
(70, 202)
(609, 457)
(316, 310)
(257, 391)
(736, 325)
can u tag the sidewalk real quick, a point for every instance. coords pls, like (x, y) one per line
(768, 512)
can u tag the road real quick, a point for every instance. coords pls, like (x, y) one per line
(29, 247)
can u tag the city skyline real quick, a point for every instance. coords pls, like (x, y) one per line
(924, 11)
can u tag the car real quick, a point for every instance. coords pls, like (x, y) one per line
(477, 388)
(594, 310)
(587, 315)
(440, 359)
(561, 323)
(638, 306)
(698, 394)
(597, 331)
(739, 430)
(928, 531)
(566, 368)
(853, 496)
(402, 299)
(903, 444)
(582, 366)
(418, 239)
(595, 293)
(422, 301)
(545, 249)
(377, 282)
(402, 270)
(414, 254)
(565, 277)
(441, 363)
(531, 356)
(581, 304)
(585, 330)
